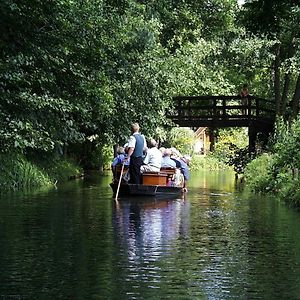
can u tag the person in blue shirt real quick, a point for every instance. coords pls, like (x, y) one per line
(118, 160)
(167, 162)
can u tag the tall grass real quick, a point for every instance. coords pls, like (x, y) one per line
(16, 173)
(19, 173)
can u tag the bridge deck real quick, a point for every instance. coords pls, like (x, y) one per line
(224, 111)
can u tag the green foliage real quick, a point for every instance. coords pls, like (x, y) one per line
(101, 157)
(207, 162)
(60, 170)
(279, 172)
(181, 138)
(16, 173)
(228, 142)
(278, 22)
(258, 173)
(290, 191)
(240, 158)
(287, 143)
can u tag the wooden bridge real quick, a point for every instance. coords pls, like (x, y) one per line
(225, 111)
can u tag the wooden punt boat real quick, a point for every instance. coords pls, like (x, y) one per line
(154, 184)
(127, 189)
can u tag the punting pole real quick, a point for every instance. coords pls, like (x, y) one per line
(119, 183)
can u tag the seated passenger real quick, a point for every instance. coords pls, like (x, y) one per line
(175, 156)
(152, 161)
(118, 160)
(167, 162)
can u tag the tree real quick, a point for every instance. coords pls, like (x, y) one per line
(279, 21)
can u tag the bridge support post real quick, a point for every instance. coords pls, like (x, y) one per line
(212, 137)
(252, 133)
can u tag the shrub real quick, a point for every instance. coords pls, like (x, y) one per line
(258, 173)
(62, 169)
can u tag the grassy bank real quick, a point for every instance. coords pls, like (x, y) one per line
(19, 173)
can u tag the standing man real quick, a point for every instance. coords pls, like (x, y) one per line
(136, 146)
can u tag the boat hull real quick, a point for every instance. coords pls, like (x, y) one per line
(146, 190)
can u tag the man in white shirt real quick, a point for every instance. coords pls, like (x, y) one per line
(152, 161)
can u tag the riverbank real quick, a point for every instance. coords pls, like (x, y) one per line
(277, 171)
(18, 172)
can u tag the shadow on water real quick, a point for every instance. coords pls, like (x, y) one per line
(76, 242)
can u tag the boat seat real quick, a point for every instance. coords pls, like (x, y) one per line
(169, 171)
(154, 178)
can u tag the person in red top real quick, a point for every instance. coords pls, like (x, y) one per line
(244, 93)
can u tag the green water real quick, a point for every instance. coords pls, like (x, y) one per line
(76, 242)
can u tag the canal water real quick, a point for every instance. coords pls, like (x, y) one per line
(215, 242)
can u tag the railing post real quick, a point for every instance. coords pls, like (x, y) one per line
(214, 109)
(257, 107)
(249, 107)
(189, 109)
(224, 105)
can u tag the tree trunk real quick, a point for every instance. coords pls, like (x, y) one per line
(287, 80)
(296, 99)
(277, 78)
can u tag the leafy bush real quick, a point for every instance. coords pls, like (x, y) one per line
(287, 143)
(56, 166)
(278, 172)
(239, 159)
(182, 138)
(290, 192)
(258, 173)
(229, 141)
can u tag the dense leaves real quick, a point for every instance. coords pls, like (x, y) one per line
(278, 22)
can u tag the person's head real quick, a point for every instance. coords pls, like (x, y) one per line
(245, 86)
(167, 152)
(175, 152)
(162, 150)
(125, 148)
(120, 150)
(152, 143)
(187, 158)
(135, 127)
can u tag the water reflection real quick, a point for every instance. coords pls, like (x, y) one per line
(145, 227)
(76, 242)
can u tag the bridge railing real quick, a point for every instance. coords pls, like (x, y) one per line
(221, 109)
